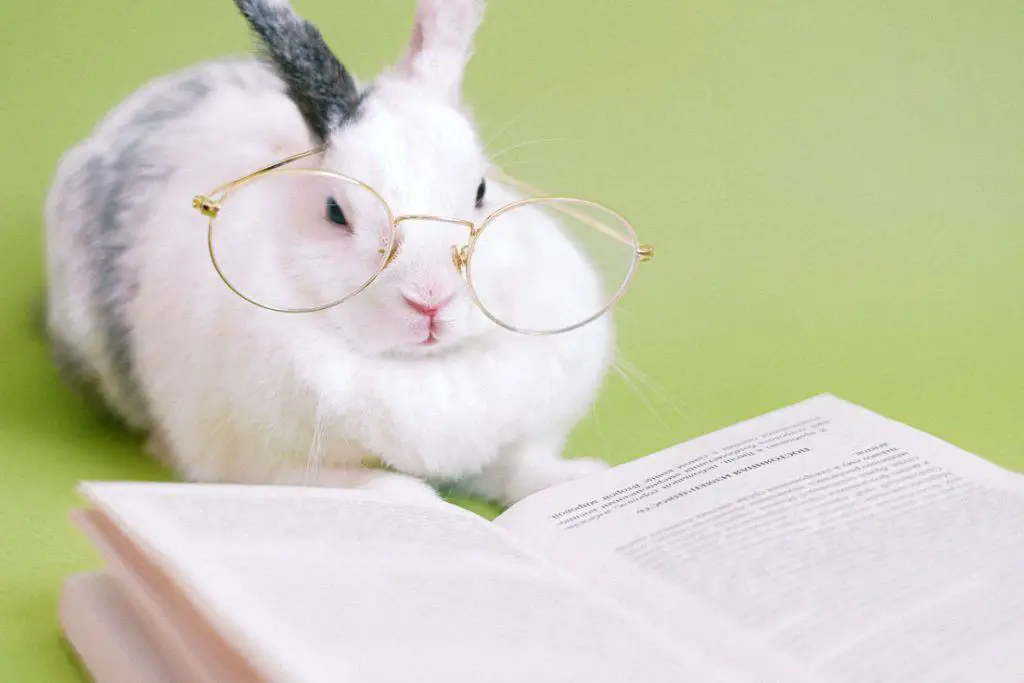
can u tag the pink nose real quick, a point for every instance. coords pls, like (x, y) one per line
(427, 309)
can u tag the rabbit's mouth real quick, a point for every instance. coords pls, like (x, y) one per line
(440, 338)
(432, 330)
(435, 335)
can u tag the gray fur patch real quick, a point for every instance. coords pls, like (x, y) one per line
(110, 181)
(317, 82)
(79, 377)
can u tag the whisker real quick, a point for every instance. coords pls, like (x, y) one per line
(518, 164)
(528, 143)
(620, 309)
(639, 394)
(315, 453)
(502, 131)
(684, 412)
(602, 437)
(635, 386)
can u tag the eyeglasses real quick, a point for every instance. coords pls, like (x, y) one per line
(537, 266)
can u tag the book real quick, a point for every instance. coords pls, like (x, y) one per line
(819, 542)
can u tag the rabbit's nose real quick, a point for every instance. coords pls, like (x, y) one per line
(429, 307)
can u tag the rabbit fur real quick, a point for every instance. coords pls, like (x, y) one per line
(229, 392)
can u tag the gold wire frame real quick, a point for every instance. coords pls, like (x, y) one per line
(209, 205)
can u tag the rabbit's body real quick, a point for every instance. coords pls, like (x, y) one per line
(232, 392)
(117, 187)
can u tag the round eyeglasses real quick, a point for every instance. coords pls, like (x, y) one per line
(573, 258)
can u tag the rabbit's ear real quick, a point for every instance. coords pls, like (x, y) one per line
(317, 82)
(441, 44)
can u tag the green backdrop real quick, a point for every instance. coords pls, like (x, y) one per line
(834, 189)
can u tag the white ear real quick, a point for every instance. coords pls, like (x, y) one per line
(441, 44)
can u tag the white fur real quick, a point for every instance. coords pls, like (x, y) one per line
(236, 393)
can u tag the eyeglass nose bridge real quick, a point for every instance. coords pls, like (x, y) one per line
(460, 254)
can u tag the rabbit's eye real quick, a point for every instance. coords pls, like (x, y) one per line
(481, 190)
(334, 213)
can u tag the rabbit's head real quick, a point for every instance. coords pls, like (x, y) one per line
(409, 139)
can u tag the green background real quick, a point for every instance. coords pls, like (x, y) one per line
(834, 189)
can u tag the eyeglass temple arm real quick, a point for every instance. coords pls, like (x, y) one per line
(208, 203)
(644, 251)
(277, 164)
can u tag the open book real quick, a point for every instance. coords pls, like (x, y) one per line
(820, 542)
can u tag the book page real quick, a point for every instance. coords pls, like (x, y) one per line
(176, 631)
(105, 637)
(849, 542)
(318, 585)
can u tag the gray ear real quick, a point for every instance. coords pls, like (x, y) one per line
(317, 82)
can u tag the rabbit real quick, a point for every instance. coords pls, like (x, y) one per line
(229, 392)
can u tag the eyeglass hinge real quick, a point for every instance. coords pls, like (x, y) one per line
(460, 257)
(206, 206)
(645, 252)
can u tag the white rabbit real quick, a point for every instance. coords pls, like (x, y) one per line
(231, 392)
